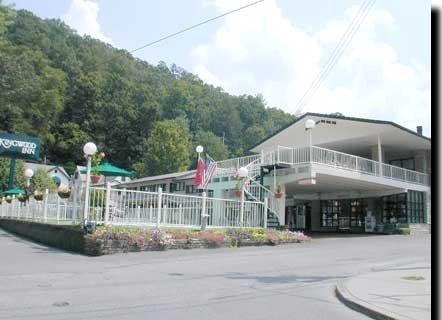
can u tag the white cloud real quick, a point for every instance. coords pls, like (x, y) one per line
(82, 15)
(269, 54)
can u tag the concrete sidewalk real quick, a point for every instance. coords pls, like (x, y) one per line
(395, 293)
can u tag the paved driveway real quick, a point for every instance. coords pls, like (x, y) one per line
(285, 282)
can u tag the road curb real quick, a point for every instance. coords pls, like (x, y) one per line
(347, 298)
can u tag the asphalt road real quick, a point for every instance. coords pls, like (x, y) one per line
(286, 282)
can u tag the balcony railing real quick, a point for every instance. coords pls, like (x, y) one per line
(305, 155)
(346, 161)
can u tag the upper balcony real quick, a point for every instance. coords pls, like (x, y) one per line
(289, 157)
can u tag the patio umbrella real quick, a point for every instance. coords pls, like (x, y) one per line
(107, 169)
(14, 191)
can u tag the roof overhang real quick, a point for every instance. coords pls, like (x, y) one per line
(346, 134)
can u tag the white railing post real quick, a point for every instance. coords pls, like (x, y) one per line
(107, 203)
(58, 210)
(45, 204)
(203, 211)
(266, 206)
(241, 210)
(160, 201)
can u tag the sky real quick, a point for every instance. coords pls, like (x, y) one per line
(277, 48)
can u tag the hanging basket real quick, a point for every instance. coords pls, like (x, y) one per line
(22, 198)
(238, 193)
(38, 196)
(8, 200)
(95, 178)
(64, 194)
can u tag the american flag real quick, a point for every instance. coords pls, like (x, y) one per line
(207, 171)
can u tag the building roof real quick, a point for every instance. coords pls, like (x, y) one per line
(174, 176)
(338, 117)
(46, 167)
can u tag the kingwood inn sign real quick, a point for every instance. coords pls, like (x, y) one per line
(19, 146)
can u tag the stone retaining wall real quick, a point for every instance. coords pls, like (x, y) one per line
(72, 238)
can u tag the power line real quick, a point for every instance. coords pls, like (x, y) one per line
(193, 26)
(335, 55)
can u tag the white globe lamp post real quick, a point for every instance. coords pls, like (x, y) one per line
(29, 173)
(199, 150)
(89, 150)
(309, 125)
(242, 172)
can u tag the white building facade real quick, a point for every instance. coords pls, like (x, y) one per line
(344, 174)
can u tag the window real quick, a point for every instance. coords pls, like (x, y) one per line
(415, 207)
(404, 163)
(358, 209)
(394, 208)
(210, 193)
(190, 189)
(330, 210)
(177, 186)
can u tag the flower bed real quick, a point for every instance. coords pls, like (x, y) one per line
(114, 239)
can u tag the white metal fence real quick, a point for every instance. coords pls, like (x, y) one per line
(130, 207)
(51, 209)
(140, 208)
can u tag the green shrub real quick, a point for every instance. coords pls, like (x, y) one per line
(404, 231)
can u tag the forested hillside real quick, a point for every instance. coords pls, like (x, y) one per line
(69, 89)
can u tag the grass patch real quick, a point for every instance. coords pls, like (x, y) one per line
(413, 278)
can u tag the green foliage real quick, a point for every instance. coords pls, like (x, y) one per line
(19, 173)
(213, 145)
(69, 89)
(167, 149)
(41, 181)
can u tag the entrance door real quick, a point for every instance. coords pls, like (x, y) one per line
(308, 217)
(300, 216)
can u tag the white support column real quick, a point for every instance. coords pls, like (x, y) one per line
(380, 160)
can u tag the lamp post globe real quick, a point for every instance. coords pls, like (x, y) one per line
(90, 149)
(310, 124)
(199, 149)
(29, 173)
(242, 172)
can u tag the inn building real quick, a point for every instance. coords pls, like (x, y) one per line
(327, 173)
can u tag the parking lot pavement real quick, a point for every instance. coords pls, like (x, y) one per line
(288, 281)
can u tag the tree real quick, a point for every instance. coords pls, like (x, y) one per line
(19, 174)
(41, 181)
(212, 144)
(68, 89)
(166, 150)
